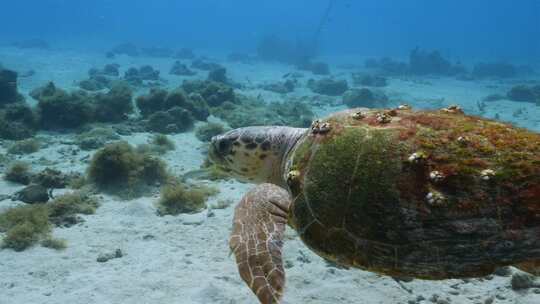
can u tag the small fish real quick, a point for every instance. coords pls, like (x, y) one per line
(286, 75)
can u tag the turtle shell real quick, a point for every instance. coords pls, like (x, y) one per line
(430, 194)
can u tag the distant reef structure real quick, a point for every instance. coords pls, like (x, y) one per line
(133, 50)
(421, 62)
(431, 62)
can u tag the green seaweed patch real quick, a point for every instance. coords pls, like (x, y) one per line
(158, 144)
(27, 225)
(18, 172)
(179, 198)
(25, 146)
(121, 169)
(64, 208)
(24, 226)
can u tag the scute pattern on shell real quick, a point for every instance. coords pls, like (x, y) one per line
(362, 202)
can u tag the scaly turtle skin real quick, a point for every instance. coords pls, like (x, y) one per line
(425, 194)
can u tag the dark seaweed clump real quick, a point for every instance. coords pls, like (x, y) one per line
(17, 121)
(58, 109)
(121, 169)
(99, 79)
(27, 225)
(171, 112)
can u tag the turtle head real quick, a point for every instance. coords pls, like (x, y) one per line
(254, 154)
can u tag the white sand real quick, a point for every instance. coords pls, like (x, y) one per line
(185, 259)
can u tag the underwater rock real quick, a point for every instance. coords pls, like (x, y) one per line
(128, 49)
(204, 65)
(281, 87)
(365, 98)
(104, 257)
(369, 80)
(525, 93)
(32, 194)
(522, 280)
(423, 62)
(504, 271)
(8, 87)
(184, 53)
(328, 86)
(174, 120)
(181, 69)
(497, 70)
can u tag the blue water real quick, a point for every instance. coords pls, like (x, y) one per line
(497, 29)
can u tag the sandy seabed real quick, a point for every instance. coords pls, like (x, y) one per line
(185, 258)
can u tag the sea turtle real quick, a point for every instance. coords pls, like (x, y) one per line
(426, 194)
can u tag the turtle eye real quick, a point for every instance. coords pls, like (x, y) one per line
(223, 146)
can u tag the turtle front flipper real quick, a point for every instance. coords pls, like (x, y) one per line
(257, 239)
